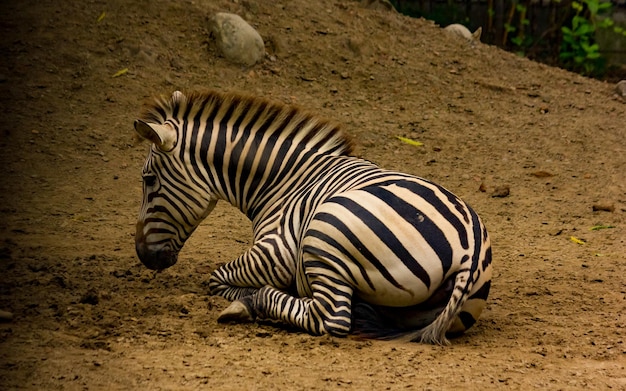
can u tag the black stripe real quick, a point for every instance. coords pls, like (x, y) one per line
(386, 235)
(487, 260)
(356, 242)
(483, 292)
(247, 160)
(429, 196)
(265, 153)
(204, 137)
(467, 319)
(161, 110)
(171, 177)
(336, 260)
(237, 161)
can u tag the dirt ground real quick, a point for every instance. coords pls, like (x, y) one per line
(88, 315)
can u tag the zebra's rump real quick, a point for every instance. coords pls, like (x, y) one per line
(394, 241)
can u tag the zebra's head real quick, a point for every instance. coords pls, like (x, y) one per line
(174, 200)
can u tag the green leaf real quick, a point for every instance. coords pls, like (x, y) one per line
(593, 7)
(605, 23)
(585, 29)
(586, 47)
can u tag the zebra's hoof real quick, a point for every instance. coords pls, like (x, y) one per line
(236, 312)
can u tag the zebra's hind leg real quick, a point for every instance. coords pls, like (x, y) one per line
(380, 322)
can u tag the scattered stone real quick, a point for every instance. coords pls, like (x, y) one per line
(462, 31)
(236, 39)
(356, 45)
(501, 191)
(605, 207)
(6, 316)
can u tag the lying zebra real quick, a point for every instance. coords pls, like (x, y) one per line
(340, 245)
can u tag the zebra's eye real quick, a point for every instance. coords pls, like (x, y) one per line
(149, 180)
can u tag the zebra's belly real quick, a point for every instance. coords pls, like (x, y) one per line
(393, 246)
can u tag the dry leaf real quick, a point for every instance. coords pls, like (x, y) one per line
(409, 141)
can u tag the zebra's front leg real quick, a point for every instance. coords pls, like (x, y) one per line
(259, 266)
(328, 311)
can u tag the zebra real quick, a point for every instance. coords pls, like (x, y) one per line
(340, 246)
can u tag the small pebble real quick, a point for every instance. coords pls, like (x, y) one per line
(501, 191)
(603, 207)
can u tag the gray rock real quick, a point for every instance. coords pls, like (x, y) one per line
(236, 39)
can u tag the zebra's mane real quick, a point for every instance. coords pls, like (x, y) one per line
(293, 121)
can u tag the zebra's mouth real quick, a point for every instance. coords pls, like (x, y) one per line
(154, 259)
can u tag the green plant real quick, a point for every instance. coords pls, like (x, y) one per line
(579, 52)
(520, 40)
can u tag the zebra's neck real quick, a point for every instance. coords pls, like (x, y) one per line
(255, 171)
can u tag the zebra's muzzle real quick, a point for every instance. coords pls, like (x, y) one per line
(154, 259)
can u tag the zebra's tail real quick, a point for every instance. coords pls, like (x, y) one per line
(427, 324)
(435, 332)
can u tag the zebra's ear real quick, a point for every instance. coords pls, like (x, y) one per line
(476, 34)
(162, 135)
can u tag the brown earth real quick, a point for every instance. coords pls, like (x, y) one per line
(88, 315)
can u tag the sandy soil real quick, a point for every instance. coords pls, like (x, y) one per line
(88, 315)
